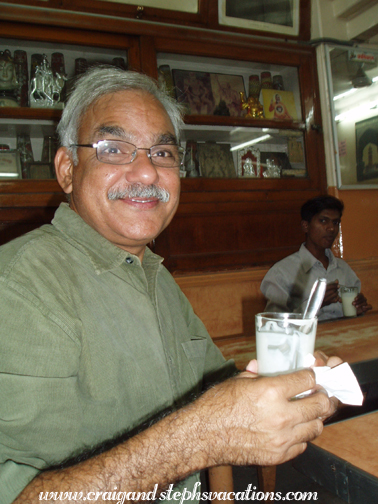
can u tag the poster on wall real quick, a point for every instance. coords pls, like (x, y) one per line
(367, 149)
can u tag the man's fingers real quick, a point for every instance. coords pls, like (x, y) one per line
(315, 406)
(295, 383)
(334, 361)
(252, 366)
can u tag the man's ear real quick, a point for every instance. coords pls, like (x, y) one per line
(64, 169)
(304, 225)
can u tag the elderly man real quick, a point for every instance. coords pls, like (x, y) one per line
(97, 339)
(287, 285)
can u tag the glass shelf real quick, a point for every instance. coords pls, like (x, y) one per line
(229, 146)
(21, 125)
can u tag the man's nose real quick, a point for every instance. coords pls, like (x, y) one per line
(332, 226)
(141, 169)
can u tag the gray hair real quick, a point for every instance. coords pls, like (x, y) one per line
(103, 80)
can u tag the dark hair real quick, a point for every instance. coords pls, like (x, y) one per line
(315, 205)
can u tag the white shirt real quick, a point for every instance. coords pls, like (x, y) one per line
(288, 283)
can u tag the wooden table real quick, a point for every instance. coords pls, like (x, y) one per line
(352, 339)
(344, 459)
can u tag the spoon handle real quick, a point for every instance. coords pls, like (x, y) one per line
(315, 299)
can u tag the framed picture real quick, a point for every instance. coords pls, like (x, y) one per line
(41, 171)
(249, 162)
(286, 18)
(279, 105)
(367, 149)
(205, 93)
(215, 160)
(10, 164)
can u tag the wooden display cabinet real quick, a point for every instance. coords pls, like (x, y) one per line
(226, 223)
(222, 223)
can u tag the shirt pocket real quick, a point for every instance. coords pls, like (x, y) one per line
(195, 352)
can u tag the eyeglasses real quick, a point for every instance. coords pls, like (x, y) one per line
(118, 152)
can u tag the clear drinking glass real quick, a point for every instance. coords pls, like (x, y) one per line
(283, 342)
(348, 295)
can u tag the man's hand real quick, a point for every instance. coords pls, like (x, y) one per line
(360, 302)
(244, 420)
(332, 294)
(254, 420)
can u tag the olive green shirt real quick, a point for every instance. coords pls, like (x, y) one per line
(92, 343)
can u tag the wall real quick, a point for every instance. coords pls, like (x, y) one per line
(330, 19)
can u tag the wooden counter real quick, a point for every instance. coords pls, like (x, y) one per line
(351, 339)
(344, 459)
(355, 441)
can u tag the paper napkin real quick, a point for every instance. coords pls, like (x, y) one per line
(341, 382)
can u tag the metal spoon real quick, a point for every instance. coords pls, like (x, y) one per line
(315, 299)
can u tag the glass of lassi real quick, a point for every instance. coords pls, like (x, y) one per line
(284, 342)
(348, 295)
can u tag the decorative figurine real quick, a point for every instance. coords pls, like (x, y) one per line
(272, 170)
(191, 162)
(45, 87)
(248, 168)
(8, 80)
(253, 106)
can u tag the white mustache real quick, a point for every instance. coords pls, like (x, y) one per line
(140, 191)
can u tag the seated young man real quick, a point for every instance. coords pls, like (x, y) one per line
(288, 283)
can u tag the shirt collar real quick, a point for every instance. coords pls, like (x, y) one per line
(308, 260)
(103, 255)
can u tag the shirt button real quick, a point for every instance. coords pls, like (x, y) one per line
(129, 260)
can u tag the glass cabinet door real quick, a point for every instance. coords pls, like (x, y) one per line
(35, 78)
(353, 89)
(243, 119)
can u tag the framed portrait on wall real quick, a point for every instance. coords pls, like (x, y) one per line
(367, 149)
(283, 18)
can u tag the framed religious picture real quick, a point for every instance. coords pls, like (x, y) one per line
(367, 149)
(279, 105)
(215, 160)
(206, 93)
(226, 91)
(249, 162)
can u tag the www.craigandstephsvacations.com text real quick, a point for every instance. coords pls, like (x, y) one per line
(179, 497)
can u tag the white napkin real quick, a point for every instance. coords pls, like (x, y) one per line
(341, 382)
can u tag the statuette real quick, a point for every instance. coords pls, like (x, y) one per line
(45, 87)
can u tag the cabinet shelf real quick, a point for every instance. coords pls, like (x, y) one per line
(28, 113)
(211, 120)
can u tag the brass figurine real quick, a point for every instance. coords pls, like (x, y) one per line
(253, 106)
